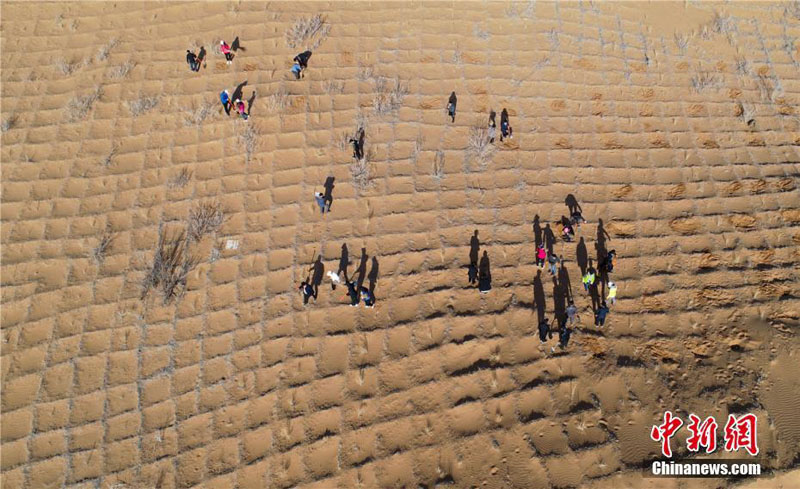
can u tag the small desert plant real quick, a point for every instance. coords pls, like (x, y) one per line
(341, 141)
(109, 157)
(703, 79)
(388, 96)
(765, 87)
(198, 115)
(205, 218)
(99, 252)
(8, 122)
(142, 104)
(478, 145)
(102, 54)
(172, 263)
(364, 73)
(360, 171)
(438, 165)
(278, 100)
(682, 42)
(121, 71)
(333, 87)
(307, 28)
(742, 65)
(480, 33)
(250, 140)
(79, 107)
(418, 143)
(67, 68)
(181, 179)
(723, 24)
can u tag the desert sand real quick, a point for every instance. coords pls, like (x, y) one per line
(676, 124)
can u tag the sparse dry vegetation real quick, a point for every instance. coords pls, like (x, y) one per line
(704, 79)
(199, 114)
(105, 50)
(121, 71)
(388, 95)
(333, 87)
(142, 104)
(67, 68)
(181, 179)
(438, 165)
(204, 218)
(361, 173)
(278, 100)
(478, 146)
(365, 73)
(8, 122)
(479, 32)
(79, 107)
(308, 32)
(682, 42)
(109, 157)
(172, 263)
(99, 251)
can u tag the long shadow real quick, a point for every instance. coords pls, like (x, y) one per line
(492, 118)
(474, 248)
(503, 116)
(318, 271)
(559, 303)
(329, 192)
(566, 284)
(582, 256)
(538, 296)
(600, 244)
(237, 94)
(572, 204)
(362, 268)
(201, 57)
(594, 293)
(549, 239)
(344, 261)
(485, 274)
(250, 102)
(236, 46)
(537, 231)
(373, 274)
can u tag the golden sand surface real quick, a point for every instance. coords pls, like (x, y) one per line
(674, 126)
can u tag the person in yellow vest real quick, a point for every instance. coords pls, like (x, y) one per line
(612, 293)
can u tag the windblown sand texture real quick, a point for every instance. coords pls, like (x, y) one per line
(675, 123)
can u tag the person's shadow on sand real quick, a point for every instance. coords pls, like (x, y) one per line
(329, 192)
(538, 296)
(250, 102)
(344, 262)
(373, 274)
(236, 46)
(318, 271)
(474, 248)
(485, 274)
(237, 94)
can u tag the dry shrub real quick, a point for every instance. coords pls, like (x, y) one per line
(306, 29)
(278, 100)
(204, 218)
(479, 32)
(766, 87)
(109, 157)
(682, 42)
(250, 140)
(361, 173)
(438, 165)
(478, 146)
(172, 263)
(341, 141)
(364, 73)
(121, 71)
(333, 87)
(181, 179)
(417, 149)
(723, 24)
(79, 107)
(67, 68)
(142, 104)
(704, 79)
(742, 65)
(388, 95)
(198, 115)
(8, 122)
(99, 252)
(104, 51)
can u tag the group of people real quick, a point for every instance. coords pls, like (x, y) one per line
(506, 131)
(355, 292)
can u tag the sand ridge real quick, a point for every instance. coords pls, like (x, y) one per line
(236, 384)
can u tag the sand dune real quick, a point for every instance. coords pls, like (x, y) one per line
(674, 126)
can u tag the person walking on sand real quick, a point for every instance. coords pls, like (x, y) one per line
(352, 292)
(544, 330)
(335, 280)
(563, 337)
(553, 260)
(506, 131)
(492, 131)
(226, 50)
(607, 264)
(307, 290)
(368, 296)
(358, 144)
(612, 293)
(225, 98)
(577, 219)
(472, 272)
(302, 59)
(568, 233)
(600, 315)
(320, 198)
(241, 108)
(191, 58)
(451, 106)
(541, 256)
(572, 312)
(589, 278)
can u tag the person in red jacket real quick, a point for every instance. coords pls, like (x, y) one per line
(226, 50)
(541, 256)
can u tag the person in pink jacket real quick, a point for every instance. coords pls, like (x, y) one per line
(226, 50)
(541, 256)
